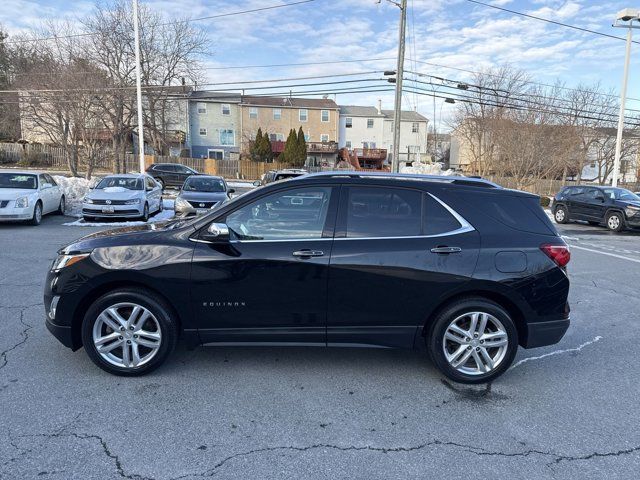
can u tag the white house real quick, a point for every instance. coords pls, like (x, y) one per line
(214, 124)
(372, 128)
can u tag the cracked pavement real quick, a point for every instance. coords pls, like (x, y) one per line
(321, 413)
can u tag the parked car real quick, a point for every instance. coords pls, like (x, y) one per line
(463, 268)
(617, 208)
(277, 175)
(27, 195)
(170, 174)
(123, 196)
(201, 193)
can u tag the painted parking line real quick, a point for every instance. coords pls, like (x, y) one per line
(609, 254)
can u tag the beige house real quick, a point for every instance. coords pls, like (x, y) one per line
(278, 115)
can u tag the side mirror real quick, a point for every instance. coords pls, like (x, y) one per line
(231, 190)
(216, 233)
(257, 183)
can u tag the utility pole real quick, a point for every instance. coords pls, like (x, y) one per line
(626, 15)
(397, 114)
(136, 34)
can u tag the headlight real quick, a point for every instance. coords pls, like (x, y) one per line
(631, 211)
(182, 203)
(88, 200)
(133, 201)
(63, 261)
(22, 202)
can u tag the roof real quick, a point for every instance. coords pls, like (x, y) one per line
(407, 116)
(358, 111)
(22, 172)
(458, 180)
(127, 175)
(290, 102)
(215, 96)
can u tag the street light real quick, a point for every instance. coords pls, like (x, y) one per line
(136, 37)
(627, 17)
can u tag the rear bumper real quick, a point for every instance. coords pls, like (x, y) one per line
(541, 334)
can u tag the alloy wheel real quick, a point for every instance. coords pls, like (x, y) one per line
(127, 335)
(475, 343)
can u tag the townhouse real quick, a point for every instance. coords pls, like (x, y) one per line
(214, 124)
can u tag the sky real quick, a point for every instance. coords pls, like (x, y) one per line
(451, 36)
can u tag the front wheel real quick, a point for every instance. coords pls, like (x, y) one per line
(145, 213)
(473, 341)
(561, 215)
(615, 222)
(37, 214)
(129, 332)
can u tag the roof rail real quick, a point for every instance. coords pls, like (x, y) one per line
(457, 180)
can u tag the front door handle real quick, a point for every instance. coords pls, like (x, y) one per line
(308, 253)
(446, 250)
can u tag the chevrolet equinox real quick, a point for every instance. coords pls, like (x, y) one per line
(460, 267)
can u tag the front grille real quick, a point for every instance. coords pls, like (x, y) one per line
(117, 213)
(4, 203)
(111, 202)
(203, 204)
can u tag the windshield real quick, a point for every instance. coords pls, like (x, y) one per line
(18, 180)
(204, 184)
(124, 182)
(621, 194)
(283, 176)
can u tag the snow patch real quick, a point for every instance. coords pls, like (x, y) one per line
(75, 189)
(426, 169)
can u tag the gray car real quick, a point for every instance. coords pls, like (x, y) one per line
(123, 196)
(201, 193)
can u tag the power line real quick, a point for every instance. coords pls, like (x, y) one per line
(554, 22)
(188, 20)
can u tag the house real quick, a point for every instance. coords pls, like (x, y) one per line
(214, 124)
(276, 116)
(367, 132)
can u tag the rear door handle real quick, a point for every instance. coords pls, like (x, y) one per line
(446, 250)
(308, 253)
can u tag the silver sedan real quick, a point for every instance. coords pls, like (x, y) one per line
(123, 196)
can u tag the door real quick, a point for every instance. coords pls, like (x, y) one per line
(168, 174)
(56, 192)
(46, 194)
(594, 204)
(154, 194)
(397, 251)
(269, 283)
(182, 173)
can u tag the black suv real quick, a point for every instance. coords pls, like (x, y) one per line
(459, 267)
(170, 174)
(616, 208)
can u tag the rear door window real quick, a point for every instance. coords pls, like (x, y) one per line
(437, 219)
(374, 212)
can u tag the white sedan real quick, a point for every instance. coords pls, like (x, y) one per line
(26, 195)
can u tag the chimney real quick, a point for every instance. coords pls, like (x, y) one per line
(379, 106)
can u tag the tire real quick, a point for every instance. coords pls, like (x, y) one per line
(561, 214)
(161, 207)
(61, 207)
(160, 331)
(37, 214)
(615, 221)
(160, 182)
(498, 322)
(145, 213)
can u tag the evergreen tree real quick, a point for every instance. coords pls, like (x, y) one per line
(290, 148)
(256, 146)
(302, 148)
(266, 149)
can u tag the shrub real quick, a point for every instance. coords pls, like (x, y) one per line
(545, 201)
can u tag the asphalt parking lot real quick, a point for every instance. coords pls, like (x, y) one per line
(566, 411)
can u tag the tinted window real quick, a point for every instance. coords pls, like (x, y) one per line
(438, 220)
(182, 169)
(298, 213)
(383, 212)
(166, 168)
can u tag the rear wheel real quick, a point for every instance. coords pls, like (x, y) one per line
(61, 207)
(615, 222)
(160, 182)
(129, 332)
(561, 214)
(37, 214)
(473, 340)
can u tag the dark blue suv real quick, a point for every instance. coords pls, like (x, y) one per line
(459, 267)
(617, 208)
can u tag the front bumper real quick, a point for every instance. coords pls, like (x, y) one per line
(112, 211)
(61, 332)
(9, 213)
(541, 334)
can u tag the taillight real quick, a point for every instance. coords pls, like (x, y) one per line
(560, 254)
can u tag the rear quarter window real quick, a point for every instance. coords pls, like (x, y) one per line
(521, 213)
(437, 219)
